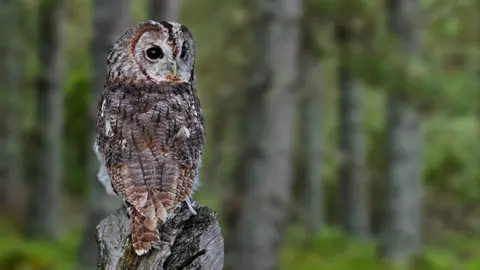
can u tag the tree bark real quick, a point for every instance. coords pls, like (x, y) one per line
(247, 150)
(11, 185)
(352, 196)
(164, 10)
(310, 110)
(400, 237)
(110, 20)
(44, 199)
(267, 181)
(249, 126)
(5, 9)
(187, 242)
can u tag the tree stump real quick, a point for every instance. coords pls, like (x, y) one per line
(187, 241)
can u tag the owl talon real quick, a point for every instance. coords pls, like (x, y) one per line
(190, 206)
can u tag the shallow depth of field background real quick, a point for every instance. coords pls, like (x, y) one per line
(340, 184)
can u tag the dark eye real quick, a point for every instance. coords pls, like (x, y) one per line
(154, 53)
(184, 51)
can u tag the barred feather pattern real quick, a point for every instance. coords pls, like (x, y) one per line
(151, 137)
(150, 129)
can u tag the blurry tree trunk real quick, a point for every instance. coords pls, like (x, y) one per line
(164, 10)
(44, 198)
(267, 181)
(249, 128)
(110, 20)
(401, 227)
(215, 171)
(11, 185)
(353, 210)
(477, 73)
(5, 90)
(249, 125)
(310, 110)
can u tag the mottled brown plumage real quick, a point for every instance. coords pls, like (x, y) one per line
(150, 129)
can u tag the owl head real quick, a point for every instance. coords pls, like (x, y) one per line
(157, 51)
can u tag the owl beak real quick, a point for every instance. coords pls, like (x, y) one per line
(174, 68)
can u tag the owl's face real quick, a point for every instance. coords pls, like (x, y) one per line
(161, 52)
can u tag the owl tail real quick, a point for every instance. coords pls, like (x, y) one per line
(144, 231)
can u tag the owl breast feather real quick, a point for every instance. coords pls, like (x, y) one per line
(148, 123)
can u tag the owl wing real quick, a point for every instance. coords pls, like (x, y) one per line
(152, 141)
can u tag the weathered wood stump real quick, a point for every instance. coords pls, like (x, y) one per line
(187, 242)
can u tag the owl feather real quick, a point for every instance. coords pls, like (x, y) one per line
(150, 130)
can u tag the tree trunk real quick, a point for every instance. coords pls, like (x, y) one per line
(268, 180)
(11, 185)
(187, 242)
(221, 117)
(44, 199)
(164, 10)
(249, 126)
(401, 231)
(110, 20)
(247, 151)
(310, 106)
(353, 209)
(5, 9)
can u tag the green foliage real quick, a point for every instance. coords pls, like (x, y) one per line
(450, 162)
(330, 250)
(335, 251)
(19, 254)
(77, 139)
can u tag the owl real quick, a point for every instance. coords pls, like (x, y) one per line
(149, 128)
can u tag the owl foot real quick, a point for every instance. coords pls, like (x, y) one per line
(190, 206)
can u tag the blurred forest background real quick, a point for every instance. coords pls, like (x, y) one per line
(340, 134)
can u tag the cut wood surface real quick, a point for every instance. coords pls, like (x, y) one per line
(187, 241)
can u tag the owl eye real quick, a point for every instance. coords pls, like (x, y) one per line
(154, 53)
(184, 51)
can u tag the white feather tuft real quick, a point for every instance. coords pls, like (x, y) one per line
(102, 175)
(108, 127)
(140, 252)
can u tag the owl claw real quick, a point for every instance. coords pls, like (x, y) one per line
(190, 206)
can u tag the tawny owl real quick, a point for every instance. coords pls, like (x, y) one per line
(150, 130)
